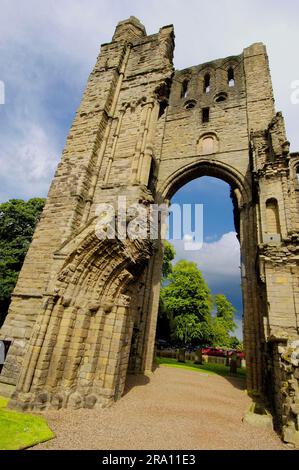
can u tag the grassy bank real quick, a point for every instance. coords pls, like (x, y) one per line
(208, 368)
(21, 430)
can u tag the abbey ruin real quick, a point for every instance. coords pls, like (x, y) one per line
(84, 310)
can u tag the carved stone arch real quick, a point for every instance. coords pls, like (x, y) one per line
(232, 63)
(294, 169)
(207, 79)
(206, 167)
(185, 81)
(109, 253)
(91, 305)
(245, 220)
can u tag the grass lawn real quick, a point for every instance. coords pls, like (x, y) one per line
(208, 368)
(21, 430)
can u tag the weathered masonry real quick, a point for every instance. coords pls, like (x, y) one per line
(84, 310)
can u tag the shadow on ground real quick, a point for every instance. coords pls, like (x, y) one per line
(135, 381)
(237, 382)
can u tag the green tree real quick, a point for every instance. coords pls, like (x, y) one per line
(223, 323)
(225, 311)
(187, 292)
(163, 324)
(186, 305)
(188, 328)
(169, 255)
(235, 343)
(186, 297)
(17, 223)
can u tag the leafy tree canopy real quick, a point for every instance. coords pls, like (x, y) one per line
(188, 329)
(235, 343)
(225, 311)
(223, 323)
(186, 292)
(169, 255)
(186, 304)
(18, 219)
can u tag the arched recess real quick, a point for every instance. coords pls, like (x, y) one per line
(79, 350)
(245, 223)
(207, 143)
(272, 217)
(206, 167)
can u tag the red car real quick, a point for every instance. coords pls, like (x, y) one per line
(240, 354)
(214, 352)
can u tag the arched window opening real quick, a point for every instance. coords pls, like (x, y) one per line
(207, 83)
(220, 97)
(272, 216)
(152, 177)
(184, 91)
(190, 104)
(231, 77)
(297, 176)
(205, 115)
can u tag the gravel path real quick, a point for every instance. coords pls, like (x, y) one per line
(174, 409)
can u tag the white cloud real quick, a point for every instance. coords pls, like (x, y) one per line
(219, 259)
(28, 161)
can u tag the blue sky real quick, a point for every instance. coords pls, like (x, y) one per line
(48, 48)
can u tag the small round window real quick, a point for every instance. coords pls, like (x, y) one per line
(190, 104)
(220, 97)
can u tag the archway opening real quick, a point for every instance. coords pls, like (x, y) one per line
(212, 249)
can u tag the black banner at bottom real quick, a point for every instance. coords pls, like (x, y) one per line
(136, 459)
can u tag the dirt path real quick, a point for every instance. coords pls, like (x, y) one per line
(175, 409)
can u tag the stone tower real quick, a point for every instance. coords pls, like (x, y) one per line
(84, 309)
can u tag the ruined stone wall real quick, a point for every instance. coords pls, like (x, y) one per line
(85, 309)
(285, 367)
(110, 136)
(220, 146)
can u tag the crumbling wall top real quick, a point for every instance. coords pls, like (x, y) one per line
(129, 29)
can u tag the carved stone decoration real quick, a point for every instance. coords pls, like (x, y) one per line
(103, 262)
(124, 300)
